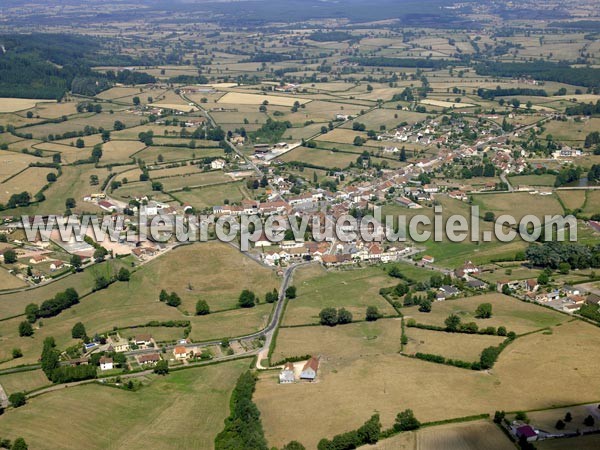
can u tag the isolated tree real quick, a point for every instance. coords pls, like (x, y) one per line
(78, 331)
(501, 331)
(76, 262)
(293, 445)
(123, 274)
(406, 421)
(589, 421)
(425, 305)
(10, 256)
(162, 367)
(344, 316)
(484, 311)
(100, 253)
(25, 329)
(17, 353)
(372, 313)
(202, 308)
(17, 399)
(272, 296)
(174, 300)
(452, 322)
(499, 416)
(560, 425)
(31, 312)
(101, 282)
(328, 316)
(290, 292)
(568, 416)
(80, 143)
(19, 444)
(247, 299)
(51, 177)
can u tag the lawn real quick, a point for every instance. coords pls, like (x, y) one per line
(529, 374)
(515, 315)
(351, 289)
(504, 203)
(185, 409)
(572, 199)
(210, 196)
(236, 322)
(533, 180)
(239, 98)
(195, 180)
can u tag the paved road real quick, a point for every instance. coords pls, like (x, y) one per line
(504, 179)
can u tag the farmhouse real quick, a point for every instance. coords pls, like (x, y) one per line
(118, 344)
(180, 352)
(428, 259)
(287, 374)
(143, 340)
(309, 371)
(106, 363)
(526, 432)
(217, 164)
(150, 359)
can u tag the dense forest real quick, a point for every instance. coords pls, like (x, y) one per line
(491, 94)
(543, 70)
(48, 65)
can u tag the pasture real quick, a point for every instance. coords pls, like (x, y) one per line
(351, 289)
(241, 98)
(465, 347)
(24, 381)
(209, 196)
(9, 281)
(148, 418)
(515, 315)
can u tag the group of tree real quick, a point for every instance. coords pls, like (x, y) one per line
(552, 254)
(18, 444)
(366, 434)
(243, 428)
(57, 373)
(52, 307)
(247, 299)
(171, 299)
(491, 94)
(272, 296)
(332, 317)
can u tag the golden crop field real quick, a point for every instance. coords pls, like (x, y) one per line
(30, 180)
(242, 98)
(11, 163)
(120, 151)
(8, 105)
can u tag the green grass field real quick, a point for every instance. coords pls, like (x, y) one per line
(185, 409)
(351, 289)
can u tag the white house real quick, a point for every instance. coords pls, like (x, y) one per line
(106, 363)
(287, 374)
(309, 371)
(217, 164)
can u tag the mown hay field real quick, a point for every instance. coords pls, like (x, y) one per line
(241, 98)
(529, 374)
(464, 347)
(31, 180)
